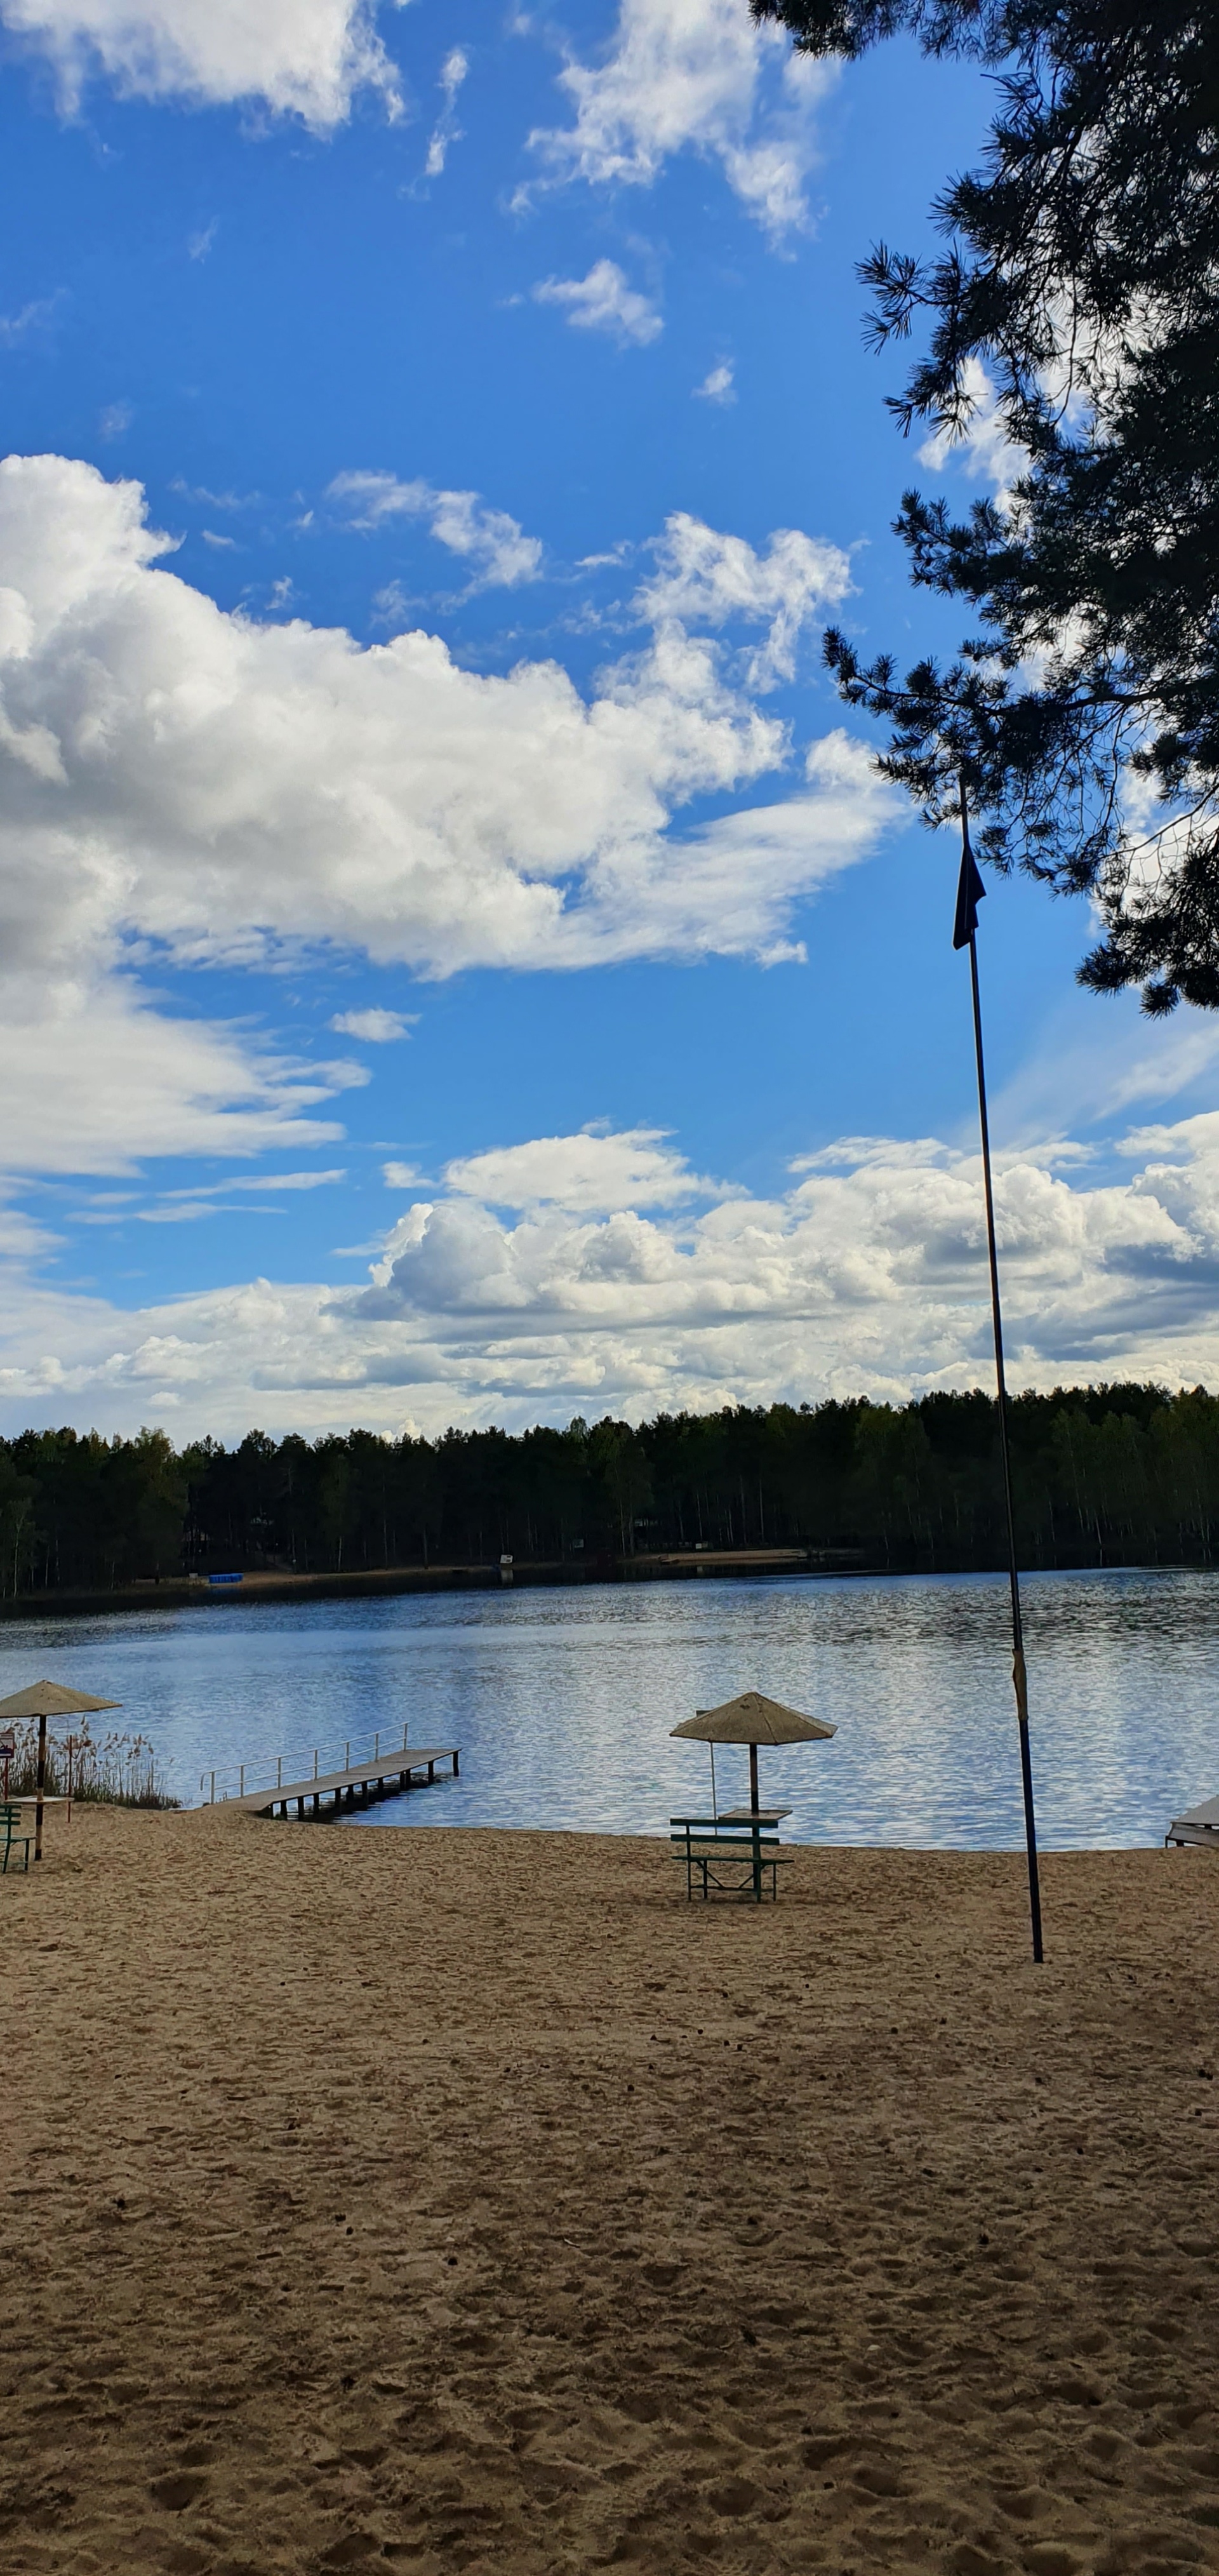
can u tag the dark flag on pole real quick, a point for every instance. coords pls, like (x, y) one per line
(970, 890)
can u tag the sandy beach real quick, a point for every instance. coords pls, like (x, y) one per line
(466, 2200)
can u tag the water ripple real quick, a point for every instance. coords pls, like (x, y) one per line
(562, 1701)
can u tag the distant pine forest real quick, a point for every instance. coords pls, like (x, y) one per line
(1103, 1475)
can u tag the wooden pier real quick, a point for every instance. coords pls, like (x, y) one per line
(391, 1774)
(1199, 1825)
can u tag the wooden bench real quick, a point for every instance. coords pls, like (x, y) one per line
(731, 1862)
(14, 1839)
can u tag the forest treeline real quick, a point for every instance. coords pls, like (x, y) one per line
(1102, 1475)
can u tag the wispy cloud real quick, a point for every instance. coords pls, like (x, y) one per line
(494, 545)
(261, 1182)
(34, 317)
(200, 243)
(447, 131)
(718, 387)
(603, 301)
(376, 1028)
(215, 500)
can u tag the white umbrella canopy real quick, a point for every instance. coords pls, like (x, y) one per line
(753, 1719)
(53, 1699)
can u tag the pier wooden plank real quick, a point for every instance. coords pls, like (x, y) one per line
(1199, 1825)
(392, 1774)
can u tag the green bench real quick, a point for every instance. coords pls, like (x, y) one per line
(727, 1861)
(14, 1839)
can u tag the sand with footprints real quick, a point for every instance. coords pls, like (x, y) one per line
(464, 2200)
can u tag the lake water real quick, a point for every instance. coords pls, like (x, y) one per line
(562, 1701)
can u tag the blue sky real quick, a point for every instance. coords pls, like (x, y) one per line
(458, 963)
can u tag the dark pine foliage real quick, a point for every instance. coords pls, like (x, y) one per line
(1103, 1475)
(1081, 269)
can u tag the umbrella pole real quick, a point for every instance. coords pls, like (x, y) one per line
(757, 1841)
(40, 1786)
(714, 1799)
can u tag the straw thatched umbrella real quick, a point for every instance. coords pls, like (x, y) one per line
(43, 1700)
(753, 1719)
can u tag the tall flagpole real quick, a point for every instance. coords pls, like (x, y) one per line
(969, 892)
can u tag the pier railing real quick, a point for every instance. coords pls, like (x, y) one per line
(240, 1779)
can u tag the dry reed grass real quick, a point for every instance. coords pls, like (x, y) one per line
(117, 1771)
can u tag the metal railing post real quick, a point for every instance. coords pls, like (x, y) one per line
(315, 1762)
(241, 1791)
(376, 1747)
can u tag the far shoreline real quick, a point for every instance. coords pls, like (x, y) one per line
(202, 1592)
(372, 1583)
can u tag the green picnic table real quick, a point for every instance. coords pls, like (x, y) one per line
(730, 1854)
(14, 1839)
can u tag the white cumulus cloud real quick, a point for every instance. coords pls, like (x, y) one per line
(176, 773)
(717, 386)
(697, 75)
(608, 1287)
(305, 58)
(703, 578)
(635, 1168)
(603, 301)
